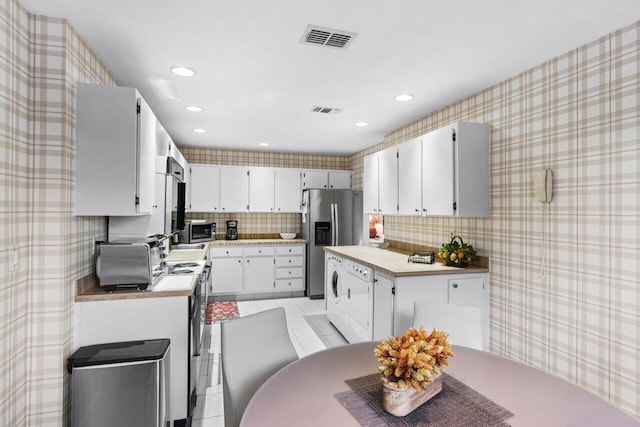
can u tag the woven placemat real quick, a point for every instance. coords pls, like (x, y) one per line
(456, 405)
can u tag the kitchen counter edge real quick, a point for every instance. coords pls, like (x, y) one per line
(395, 262)
(247, 242)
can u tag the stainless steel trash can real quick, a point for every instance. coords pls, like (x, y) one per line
(121, 384)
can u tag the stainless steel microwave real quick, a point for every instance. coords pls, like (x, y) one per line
(198, 232)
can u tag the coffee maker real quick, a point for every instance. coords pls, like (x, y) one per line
(232, 230)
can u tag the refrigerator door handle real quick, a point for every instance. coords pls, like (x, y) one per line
(333, 225)
(336, 224)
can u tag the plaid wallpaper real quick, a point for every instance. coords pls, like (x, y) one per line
(579, 115)
(42, 59)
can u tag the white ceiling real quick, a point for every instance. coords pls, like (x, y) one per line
(258, 83)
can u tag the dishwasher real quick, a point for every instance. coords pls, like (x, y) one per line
(358, 304)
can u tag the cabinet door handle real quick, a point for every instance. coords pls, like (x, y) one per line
(239, 260)
(349, 293)
(455, 285)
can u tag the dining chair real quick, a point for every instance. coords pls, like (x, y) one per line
(254, 347)
(463, 323)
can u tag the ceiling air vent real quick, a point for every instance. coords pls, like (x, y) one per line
(327, 37)
(325, 110)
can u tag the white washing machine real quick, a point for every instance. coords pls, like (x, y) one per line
(334, 291)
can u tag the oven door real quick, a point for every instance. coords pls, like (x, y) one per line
(203, 284)
(194, 348)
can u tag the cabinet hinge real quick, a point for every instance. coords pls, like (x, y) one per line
(393, 290)
(248, 173)
(397, 154)
(247, 207)
(137, 200)
(398, 208)
(453, 135)
(455, 205)
(138, 107)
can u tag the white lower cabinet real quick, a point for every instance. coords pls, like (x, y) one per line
(246, 270)
(226, 269)
(99, 322)
(289, 268)
(462, 289)
(259, 268)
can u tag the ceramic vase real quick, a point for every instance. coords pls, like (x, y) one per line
(402, 402)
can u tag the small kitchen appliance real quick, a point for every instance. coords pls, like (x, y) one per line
(131, 263)
(232, 230)
(195, 232)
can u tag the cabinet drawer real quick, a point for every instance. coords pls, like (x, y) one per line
(289, 261)
(290, 250)
(289, 284)
(259, 251)
(285, 273)
(225, 252)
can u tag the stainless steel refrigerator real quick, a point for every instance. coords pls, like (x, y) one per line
(329, 218)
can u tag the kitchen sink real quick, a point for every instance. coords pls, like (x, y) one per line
(188, 247)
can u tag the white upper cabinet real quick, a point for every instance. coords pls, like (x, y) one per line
(455, 171)
(312, 178)
(261, 189)
(287, 190)
(438, 173)
(331, 179)
(340, 180)
(115, 152)
(234, 189)
(370, 187)
(388, 181)
(442, 173)
(410, 177)
(204, 188)
(380, 182)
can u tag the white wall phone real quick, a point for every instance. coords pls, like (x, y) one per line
(543, 185)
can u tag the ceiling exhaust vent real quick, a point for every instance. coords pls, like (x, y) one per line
(320, 36)
(325, 110)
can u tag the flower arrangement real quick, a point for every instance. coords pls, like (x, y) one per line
(411, 359)
(457, 254)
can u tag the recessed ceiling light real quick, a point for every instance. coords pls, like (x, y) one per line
(199, 130)
(264, 144)
(404, 97)
(183, 71)
(361, 124)
(193, 108)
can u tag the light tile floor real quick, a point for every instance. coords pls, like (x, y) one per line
(209, 411)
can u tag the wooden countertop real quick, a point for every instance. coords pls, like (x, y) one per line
(394, 262)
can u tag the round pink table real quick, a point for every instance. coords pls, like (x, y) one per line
(303, 393)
